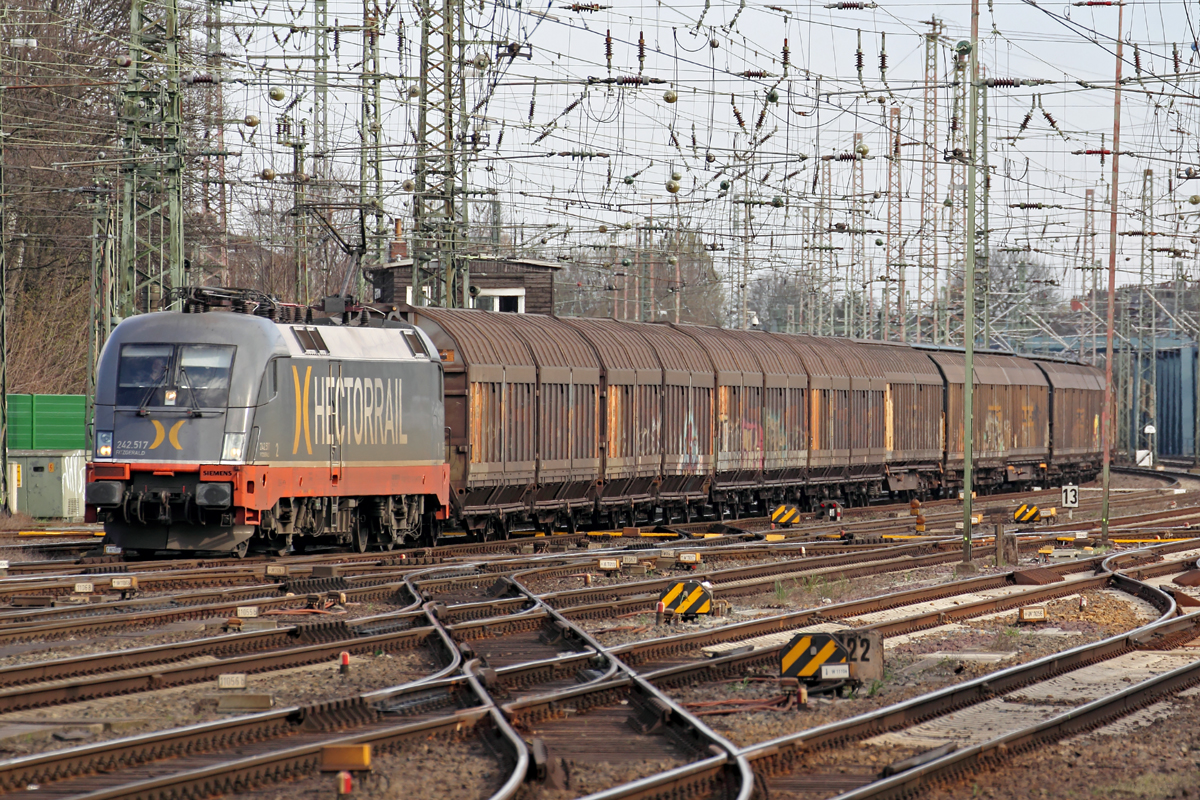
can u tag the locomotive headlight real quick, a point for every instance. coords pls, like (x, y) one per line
(235, 445)
(104, 440)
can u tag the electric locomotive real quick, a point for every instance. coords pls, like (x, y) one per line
(233, 432)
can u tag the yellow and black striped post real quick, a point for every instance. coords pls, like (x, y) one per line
(785, 515)
(1027, 513)
(687, 599)
(814, 656)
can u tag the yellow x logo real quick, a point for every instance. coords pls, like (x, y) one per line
(160, 433)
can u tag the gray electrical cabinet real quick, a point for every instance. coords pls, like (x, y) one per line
(49, 483)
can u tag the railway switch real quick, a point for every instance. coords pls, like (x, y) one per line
(688, 599)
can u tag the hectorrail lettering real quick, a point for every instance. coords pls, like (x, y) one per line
(362, 410)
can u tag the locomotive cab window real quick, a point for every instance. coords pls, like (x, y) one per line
(164, 375)
(204, 375)
(143, 374)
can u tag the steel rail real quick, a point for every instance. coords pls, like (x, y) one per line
(683, 782)
(779, 754)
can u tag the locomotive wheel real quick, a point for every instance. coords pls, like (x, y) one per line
(361, 537)
(432, 531)
(240, 550)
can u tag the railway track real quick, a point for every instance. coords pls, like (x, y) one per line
(518, 677)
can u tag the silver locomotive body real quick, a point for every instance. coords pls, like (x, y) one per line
(221, 431)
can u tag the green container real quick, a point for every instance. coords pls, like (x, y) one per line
(47, 422)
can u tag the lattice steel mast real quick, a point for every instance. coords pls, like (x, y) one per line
(151, 253)
(860, 279)
(959, 144)
(439, 204)
(927, 238)
(895, 240)
(824, 238)
(981, 233)
(1090, 268)
(370, 162)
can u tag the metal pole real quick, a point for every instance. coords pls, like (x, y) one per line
(745, 266)
(1089, 265)
(678, 270)
(969, 281)
(4, 487)
(1112, 285)
(1152, 393)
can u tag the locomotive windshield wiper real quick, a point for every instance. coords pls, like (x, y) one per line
(195, 409)
(141, 412)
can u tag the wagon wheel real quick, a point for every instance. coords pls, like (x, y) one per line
(361, 538)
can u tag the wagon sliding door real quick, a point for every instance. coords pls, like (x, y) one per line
(687, 412)
(567, 416)
(490, 382)
(630, 412)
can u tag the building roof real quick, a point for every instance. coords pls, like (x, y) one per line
(532, 262)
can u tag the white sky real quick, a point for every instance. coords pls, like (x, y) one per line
(634, 126)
